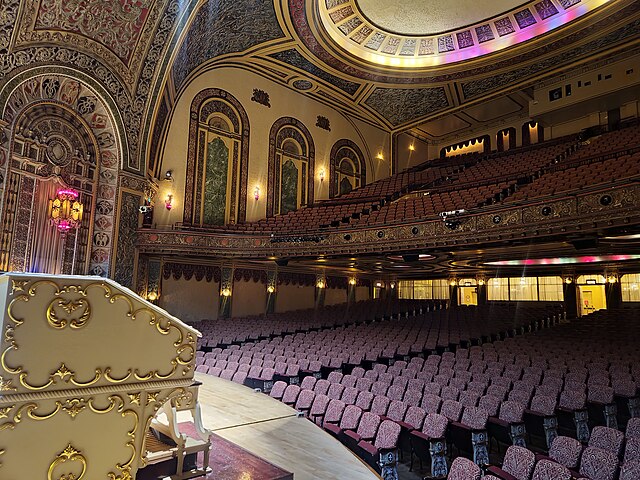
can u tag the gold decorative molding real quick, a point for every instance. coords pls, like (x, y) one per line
(6, 385)
(69, 306)
(69, 454)
(185, 344)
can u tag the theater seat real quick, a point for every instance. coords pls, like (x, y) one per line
(382, 454)
(518, 464)
(549, 470)
(464, 469)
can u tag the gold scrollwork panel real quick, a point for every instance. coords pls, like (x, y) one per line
(51, 329)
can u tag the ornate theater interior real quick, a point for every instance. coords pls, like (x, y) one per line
(269, 239)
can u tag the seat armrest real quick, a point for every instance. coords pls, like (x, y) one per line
(498, 472)
(497, 421)
(405, 426)
(353, 435)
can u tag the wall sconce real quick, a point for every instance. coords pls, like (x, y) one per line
(453, 282)
(320, 284)
(568, 280)
(481, 281)
(321, 174)
(271, 289)
(226, 292)
(379, 284)
(152, 296)
(411, 147)
(169, 175)
(380, 156)
(392, 285)
(256, 193)
(168, 201)
(352, 281)
(612, 279)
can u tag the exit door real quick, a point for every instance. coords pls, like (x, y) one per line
(591, 298)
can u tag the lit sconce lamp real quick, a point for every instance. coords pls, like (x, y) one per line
(380, 156)
(379, 284)
(412, 147)
(392, 285)
(169, 175)
(352, 281)
(152, 296)
(271, 289)
(321, 174)
(481, 281)
(226, 292)
(612, 279)
(320, 284)
(168, 201)
(453, 282)
(568, 280)
(256, 193)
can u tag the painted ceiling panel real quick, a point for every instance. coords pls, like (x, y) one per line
(223, 27)
(400, 106)
(293, 58)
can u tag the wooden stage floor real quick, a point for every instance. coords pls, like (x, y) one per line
(272, 431)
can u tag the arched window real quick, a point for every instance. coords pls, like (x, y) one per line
(216, 186)
(347, 170)
(291, 167)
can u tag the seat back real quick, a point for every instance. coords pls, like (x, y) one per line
(415, 417)
(350, 417)
(598, 463)
(387, 436)
(548, 470)
(607, 439)
(566, 451)
(277, 391)
(380, 405)
(368, 426)
(630, 470)
(464, 469)
(334, 412)
(519, 462)
(435, 425)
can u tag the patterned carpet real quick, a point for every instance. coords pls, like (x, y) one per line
(231, 462)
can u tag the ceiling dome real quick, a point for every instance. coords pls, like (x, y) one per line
(430, 17)
(424, 33)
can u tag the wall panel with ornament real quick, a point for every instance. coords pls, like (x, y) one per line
(63, 142)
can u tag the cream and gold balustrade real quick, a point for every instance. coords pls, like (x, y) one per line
(85, 367)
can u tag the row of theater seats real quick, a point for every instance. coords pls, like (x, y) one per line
(465, 183)
(577, 178)
(526, 389)
(471, 181)
(429, 205)
(403, 337)
(237, 330)
(610, 454)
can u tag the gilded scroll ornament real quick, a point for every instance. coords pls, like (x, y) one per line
(74, 406)
(6, 385)
(18, 285)
(4, 412)
(69, 454)
(70, 307)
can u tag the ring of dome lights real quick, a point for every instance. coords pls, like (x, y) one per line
(349, 25)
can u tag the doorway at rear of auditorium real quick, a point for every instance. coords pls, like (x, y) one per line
(591, 294)
(468, 291)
